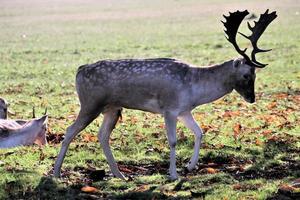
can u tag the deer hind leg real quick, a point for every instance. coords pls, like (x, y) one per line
(83, 120)
(170, 121)
(110, 119)
(191, 124)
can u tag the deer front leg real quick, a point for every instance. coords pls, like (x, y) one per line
(83, 120)
(191, 124)
(170, 121)
(109, 121)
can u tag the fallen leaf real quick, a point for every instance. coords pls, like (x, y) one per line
(89, 138)
(281, 95)
(237, 186)
(133, 120)
(267, 132)
(258, 142)
(124, 169)
(211, 170)
(273, 138)
(231, 113)
(272, 105)
(89, 189)
(236, 130)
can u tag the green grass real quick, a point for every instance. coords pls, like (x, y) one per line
(43, 43)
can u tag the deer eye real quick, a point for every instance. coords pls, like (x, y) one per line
(247, 77)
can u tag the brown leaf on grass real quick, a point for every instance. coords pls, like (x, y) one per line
(161, 126)
(281, 95)
(89, 138)
(207, 127)
(258, 142)
(267, 132)
(236, 130)
(273, 119)
(198, 116)
(273, 138)
(125, 169)
(296, 99)
(89, 189)
(211, 170)
(286, 124)
(237, 186)
(133, 119)
(229, 114)
(272, 105)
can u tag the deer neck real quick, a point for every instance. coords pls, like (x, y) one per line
(212, 83)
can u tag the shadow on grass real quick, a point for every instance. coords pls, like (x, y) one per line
(276, 161)
(48, 188)
(14, 182)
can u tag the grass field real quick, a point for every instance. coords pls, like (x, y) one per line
(248, 152)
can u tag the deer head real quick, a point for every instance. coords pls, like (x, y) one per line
(245, 68)
(3, 108)
(41, 127)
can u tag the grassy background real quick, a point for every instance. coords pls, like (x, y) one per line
(253, 149)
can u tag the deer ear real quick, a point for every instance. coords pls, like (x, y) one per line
(236, 63)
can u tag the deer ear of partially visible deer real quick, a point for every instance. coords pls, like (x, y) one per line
(21, 132)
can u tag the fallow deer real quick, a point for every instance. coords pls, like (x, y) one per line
(3, 108)
(166, 86)
(21, 132)
(13, 134)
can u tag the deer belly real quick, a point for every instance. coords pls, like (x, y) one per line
(150, 105)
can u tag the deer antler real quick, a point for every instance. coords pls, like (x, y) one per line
(257, 30)
(232, 24)
(33, 112)
(233, 21)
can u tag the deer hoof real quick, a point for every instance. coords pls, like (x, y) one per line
(173, 177)
(56, 174)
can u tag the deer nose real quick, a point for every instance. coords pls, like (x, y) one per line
(252, 99)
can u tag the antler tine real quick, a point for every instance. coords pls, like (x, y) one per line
(257, 30)
(33, 112)
(232, 24)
